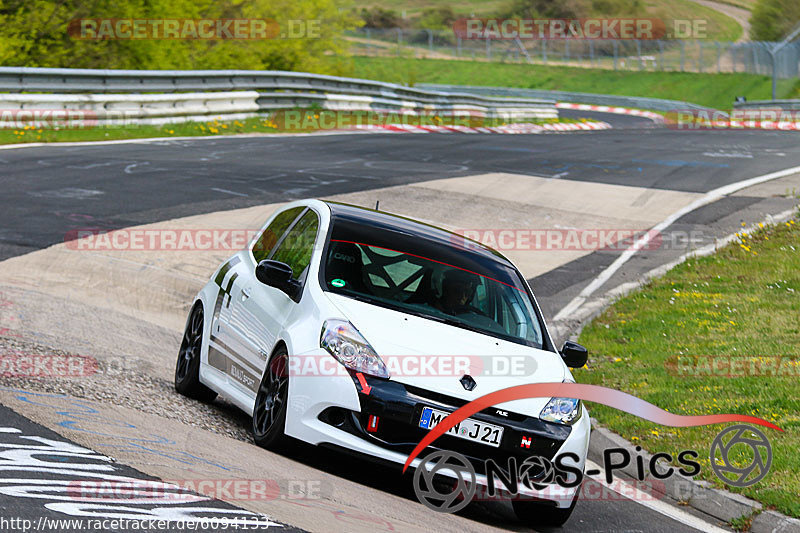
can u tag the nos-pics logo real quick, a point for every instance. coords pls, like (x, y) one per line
(446, 481)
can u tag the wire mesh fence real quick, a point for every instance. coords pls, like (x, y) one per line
(645, 55)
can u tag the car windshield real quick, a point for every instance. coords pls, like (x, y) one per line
(466, 289)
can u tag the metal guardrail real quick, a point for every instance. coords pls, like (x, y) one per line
(169, 96)
(788, 105)
(655, 104)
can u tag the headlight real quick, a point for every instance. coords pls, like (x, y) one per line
(343, 341)
(561, 410)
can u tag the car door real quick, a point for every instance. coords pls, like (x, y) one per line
(232, 325)
(263, 309)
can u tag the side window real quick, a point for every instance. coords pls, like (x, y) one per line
(266, 242)
(297, 246)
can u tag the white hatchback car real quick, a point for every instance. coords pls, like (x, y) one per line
(328, 328)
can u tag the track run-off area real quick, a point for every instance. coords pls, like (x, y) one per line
(126, 308)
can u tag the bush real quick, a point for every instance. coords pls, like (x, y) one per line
(437, 18)
(772, 20)
(380, 18)
(33, 33)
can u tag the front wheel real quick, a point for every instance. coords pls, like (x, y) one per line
(269, 413)
(535, 514)
(187, 368)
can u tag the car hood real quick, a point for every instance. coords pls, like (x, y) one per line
(493, 363)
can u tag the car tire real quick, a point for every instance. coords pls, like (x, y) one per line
(187, 367)
(535, 514)
(269, 412)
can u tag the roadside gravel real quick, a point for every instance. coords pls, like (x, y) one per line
(125, 387)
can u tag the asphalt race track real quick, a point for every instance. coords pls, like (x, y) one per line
(54, 189)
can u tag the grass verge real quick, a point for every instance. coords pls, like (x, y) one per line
(304, 121)
(674, 344)
(714, 90)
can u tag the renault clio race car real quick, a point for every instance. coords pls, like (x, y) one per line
(331, 327)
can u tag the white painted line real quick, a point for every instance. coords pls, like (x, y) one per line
(148, 140)
(659, 506)
(706, 199)
(226, 191)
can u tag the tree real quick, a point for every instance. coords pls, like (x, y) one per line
(38, 33)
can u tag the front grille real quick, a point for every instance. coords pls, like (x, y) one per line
(400, 407)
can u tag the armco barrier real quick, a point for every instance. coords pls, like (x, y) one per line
(656, 104)
(154, 97)
(788, 105)
(130, 109)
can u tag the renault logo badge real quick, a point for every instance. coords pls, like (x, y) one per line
(467, 382)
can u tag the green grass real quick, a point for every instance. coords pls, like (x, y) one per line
(413, 8)
(742, 301)
(108, 133)
(713, 90)
(720, 26)
(744, 4)
(308, 121)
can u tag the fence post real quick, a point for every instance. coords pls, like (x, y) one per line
(639, 52)
(741, 53)
(591, 53)
(700, 56)
(755, 60)
(430, 40)
(719, 57)
(616, 49)
(488, 49)
(774, 57)
(566, 49)
(544, 50)
(399, 40)
(661, 54)
(683, 53)
(458, 46)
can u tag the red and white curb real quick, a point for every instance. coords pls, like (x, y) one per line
(655, 117)
(520, 128)
(736, 125)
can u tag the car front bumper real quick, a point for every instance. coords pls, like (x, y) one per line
(334, 412)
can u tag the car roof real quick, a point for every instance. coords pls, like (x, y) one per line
(429, 232)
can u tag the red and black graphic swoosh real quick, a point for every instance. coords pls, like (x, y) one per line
(591, 393)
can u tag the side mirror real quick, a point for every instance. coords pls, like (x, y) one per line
(278, 275)
(574, 355)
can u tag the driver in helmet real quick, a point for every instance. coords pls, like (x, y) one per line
(458, 289)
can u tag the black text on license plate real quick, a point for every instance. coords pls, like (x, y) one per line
(468, 429)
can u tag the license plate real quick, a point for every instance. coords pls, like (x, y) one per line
(469, 429)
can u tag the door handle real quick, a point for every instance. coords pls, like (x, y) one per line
(245, 293)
